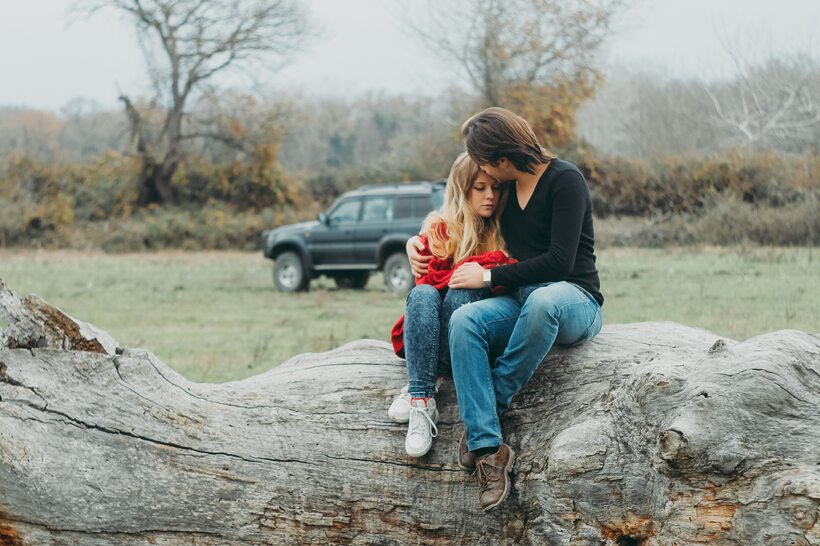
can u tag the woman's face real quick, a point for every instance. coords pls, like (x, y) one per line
(484, 195)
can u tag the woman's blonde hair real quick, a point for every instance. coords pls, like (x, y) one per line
(466, 234)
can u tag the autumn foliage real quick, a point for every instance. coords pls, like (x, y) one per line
(763, 198)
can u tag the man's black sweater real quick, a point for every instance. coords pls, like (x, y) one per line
(552, 237)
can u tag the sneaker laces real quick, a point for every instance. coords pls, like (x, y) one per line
(416, 425)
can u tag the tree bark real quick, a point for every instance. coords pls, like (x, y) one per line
(651, 434)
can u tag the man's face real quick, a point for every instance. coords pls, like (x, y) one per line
(501, 171)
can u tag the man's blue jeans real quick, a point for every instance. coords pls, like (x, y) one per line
(521, 327)
(426, 348)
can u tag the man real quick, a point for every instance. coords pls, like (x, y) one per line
(553, 292)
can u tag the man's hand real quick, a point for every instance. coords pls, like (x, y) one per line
(468, 275)
(418, 263)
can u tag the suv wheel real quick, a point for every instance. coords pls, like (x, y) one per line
(398, 277)
(289, 273)
(355, 281)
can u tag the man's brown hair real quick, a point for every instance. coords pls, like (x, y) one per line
(496, 133)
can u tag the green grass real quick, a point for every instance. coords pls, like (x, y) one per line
(215, 316)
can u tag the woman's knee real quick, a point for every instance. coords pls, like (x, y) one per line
(423, 292)
(456, 297)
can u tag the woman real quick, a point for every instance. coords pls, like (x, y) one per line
(466, 229)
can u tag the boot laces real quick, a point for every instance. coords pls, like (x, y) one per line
(487, 472)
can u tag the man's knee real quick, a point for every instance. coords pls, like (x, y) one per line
(465, 320)
(547, 301)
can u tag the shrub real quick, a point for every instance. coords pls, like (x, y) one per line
(723, 221)
(246, 186)
(686, 185)
(730, 199)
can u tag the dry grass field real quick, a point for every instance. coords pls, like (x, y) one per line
(215, 316)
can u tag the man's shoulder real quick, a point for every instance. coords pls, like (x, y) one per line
(560, 168)
(562, 176)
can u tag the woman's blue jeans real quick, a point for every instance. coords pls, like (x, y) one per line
(521, 327)
(426, 347)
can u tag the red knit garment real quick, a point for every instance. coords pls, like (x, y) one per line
(438, 275)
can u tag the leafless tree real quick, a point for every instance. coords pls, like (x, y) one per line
(186, 43)
(774, 104)
(765, 105)
(500, 43)
(644, 113)
(529, 55)
(343, 143)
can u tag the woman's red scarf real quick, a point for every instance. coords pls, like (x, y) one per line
(438, 275)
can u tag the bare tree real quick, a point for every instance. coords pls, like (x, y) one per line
(764, 105)
(535, 56)
(770, 105)
(186, 43)
(229, 126)
(644, 113)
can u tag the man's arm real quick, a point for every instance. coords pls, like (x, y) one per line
(569, 204)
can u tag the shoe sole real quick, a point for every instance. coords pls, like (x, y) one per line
(423, 452)
(507, 469)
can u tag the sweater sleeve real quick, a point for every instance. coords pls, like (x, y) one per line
(568, 205)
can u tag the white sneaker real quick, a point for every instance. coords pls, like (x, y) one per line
(422, 428)
(399, 410)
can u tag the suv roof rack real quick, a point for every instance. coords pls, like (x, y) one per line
(397, 186)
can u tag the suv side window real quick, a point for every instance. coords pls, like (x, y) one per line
(412, 206)
(346, 211)
(378, 209)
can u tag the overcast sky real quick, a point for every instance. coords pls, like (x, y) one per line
(49, 57)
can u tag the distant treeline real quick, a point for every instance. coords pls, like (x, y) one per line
(727, 199)
(717, 162)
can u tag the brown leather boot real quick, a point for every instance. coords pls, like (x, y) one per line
(466, 458)
(494, 477)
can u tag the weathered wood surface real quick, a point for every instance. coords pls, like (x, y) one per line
(653, 434)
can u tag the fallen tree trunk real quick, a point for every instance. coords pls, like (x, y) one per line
(653, 434)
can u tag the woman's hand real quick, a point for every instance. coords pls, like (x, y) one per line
(468, 275)
(418, 263)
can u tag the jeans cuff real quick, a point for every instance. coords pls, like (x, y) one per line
(485, 443)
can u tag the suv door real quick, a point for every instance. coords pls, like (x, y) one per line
(376, 222)
(333, 243)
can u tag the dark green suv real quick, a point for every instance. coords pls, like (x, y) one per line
(365, 230)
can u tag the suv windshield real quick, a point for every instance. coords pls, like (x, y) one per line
(345, 211)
